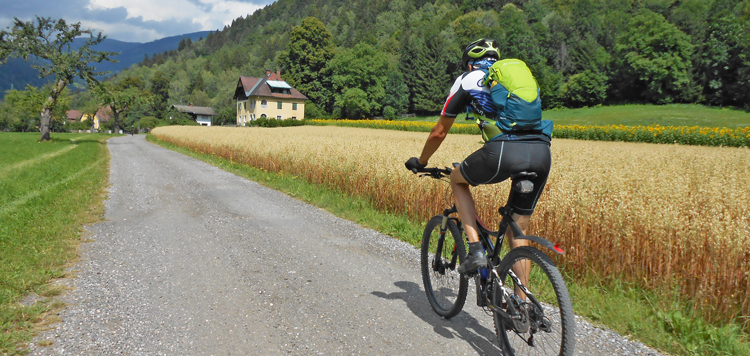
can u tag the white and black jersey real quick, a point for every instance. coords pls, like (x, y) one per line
(468, 91)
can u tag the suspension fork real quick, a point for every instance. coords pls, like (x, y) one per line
(437, 261)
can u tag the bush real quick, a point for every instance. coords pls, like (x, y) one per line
(587, 88)
(149, 122)
(266, 122)
(354, 104)
(390, 113)
(80, 125)
(313, 111)
(180, 118)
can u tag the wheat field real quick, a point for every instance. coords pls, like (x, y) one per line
(668, 217)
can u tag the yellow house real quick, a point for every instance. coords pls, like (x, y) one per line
(102, 115)
(269, 97)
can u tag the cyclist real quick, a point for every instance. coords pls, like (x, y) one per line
(502, 156)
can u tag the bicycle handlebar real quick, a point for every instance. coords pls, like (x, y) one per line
(433, 172)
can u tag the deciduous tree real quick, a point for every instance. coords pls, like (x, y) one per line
(51, 40)
(303, 63)
(122, 96)
(160, 91)
(653, 60)
(363, 68)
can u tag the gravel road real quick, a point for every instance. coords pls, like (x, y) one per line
(192, 260)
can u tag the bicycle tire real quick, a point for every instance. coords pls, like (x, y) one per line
(446, 289)
(544, 280)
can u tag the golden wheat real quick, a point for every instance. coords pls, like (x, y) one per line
(670, 217)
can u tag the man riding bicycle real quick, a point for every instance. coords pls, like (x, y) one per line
(505, 152)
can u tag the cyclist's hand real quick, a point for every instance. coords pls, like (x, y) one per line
(413, 165)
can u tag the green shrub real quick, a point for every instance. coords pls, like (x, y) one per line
(585, 89)
(271, 122)
(390, 113)
(148, 122)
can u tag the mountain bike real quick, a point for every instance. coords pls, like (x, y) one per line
(533, 313)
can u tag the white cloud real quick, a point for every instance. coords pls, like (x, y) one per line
(135, 20)
(125, 32)
(205, 15)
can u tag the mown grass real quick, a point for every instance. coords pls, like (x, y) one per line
(643, 115)
(624, 307)
(49, 191)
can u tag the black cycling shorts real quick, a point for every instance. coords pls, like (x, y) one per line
(497, 161)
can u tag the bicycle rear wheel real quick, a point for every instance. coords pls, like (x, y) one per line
(545, 331)
(440, 256)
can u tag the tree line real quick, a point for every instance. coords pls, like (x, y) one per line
(366, 58)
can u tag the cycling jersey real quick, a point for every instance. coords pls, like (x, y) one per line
(505, 154)
(469, 92)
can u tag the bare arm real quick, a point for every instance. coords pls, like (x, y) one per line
(437, 135)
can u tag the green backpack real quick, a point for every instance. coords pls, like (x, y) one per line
(515, 94)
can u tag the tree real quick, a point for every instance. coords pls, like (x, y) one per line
(122, 96)
(310, 49)
(652, 61)
(397, 93)
(424, 60)
(724, 62)
(363, 68)
(51, 40)
(21, 109)
(160, 91)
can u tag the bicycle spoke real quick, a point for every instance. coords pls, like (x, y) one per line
(547, 330)
(444, 286)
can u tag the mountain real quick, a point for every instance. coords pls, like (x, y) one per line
(16, 73)
(132, 52)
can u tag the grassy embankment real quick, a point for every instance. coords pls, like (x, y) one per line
(49, 191)
(659, 319)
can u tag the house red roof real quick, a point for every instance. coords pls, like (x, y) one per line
(250, 86)
(73, 115)
(104, 114)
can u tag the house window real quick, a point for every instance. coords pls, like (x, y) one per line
(263, 104)
(278, 117)
(294, 118)
(263, 116)
(294, 106)
(278, 105)
(239, 106)
(245, 105)
(252, 104)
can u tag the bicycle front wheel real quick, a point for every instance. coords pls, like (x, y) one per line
(441, 255)
(543, 329)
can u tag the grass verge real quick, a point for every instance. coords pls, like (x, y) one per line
(50, 190)
(624, 308)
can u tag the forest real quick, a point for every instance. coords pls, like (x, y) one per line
(371, 58)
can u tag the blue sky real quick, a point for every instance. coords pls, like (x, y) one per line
(135, 20)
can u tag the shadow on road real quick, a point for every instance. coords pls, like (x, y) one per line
(463, 325)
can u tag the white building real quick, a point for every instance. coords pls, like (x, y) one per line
(201, 114)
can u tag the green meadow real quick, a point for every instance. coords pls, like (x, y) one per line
(49, 191)
(634, 115)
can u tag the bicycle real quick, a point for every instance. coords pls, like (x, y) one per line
(524, 326)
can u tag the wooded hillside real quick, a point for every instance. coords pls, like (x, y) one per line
(364, 58)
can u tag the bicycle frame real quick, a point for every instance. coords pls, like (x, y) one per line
(493, 250)
(517, 311)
